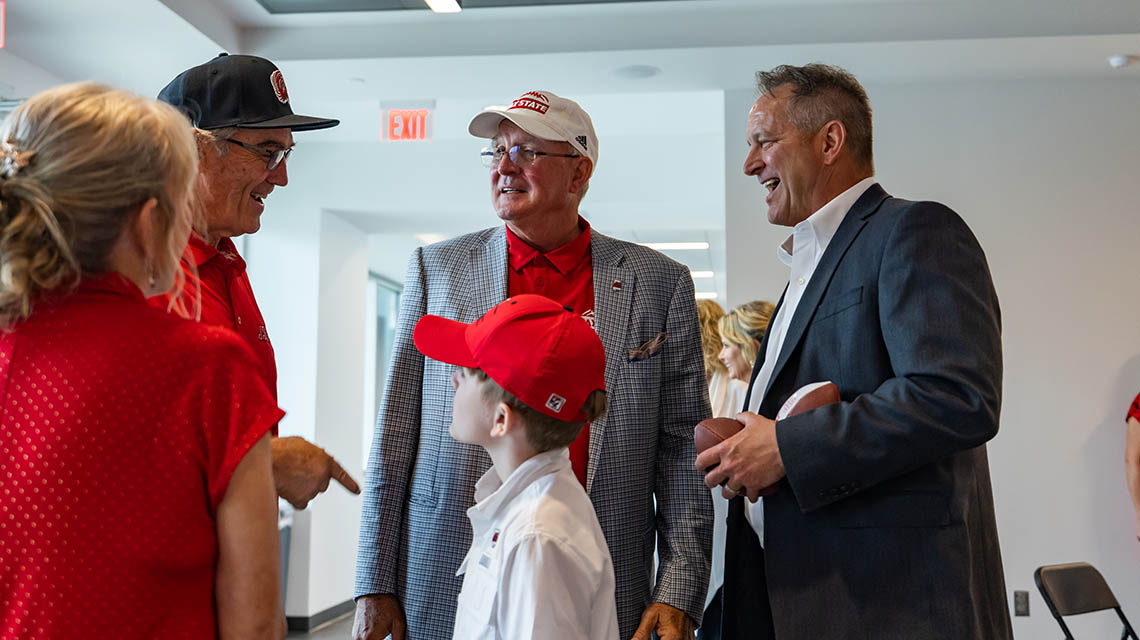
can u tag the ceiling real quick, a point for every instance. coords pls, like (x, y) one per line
(353, 59)
(696, 44)
(326, 6)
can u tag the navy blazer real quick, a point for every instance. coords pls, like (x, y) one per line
(884, 526)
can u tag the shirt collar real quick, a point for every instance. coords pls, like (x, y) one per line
(825, 221)
(564, 258)
(493, 496)
(203, 252)
(111, 282)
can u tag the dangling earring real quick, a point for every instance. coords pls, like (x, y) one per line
(151, 275)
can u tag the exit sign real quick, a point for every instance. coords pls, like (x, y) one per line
(407, 124)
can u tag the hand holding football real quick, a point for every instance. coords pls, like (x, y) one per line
(712, 431)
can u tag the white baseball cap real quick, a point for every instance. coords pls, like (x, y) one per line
(545, 115)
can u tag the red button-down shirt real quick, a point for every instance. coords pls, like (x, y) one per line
(565, 275)
(227, 300)
(120, 428)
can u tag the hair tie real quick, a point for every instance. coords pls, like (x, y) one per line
(11, 160)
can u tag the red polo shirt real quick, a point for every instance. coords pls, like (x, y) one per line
(1134, 410)
(227, 300)
(565, 275)
(120, 428)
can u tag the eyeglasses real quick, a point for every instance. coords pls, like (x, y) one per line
(520, 156)
(273, 157)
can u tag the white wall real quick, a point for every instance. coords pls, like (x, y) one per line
(283, 261)
(752, 269)
(309, 270)
(23, 78)
(388, 254)
(341, 315)
(1045, 172)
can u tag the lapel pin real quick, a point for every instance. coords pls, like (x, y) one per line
(617, 285)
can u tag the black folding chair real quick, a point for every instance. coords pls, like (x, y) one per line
(1074, 588)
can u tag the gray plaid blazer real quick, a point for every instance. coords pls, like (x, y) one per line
(414, 530)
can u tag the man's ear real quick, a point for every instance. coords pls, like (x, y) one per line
(831, 138)
(582, 170)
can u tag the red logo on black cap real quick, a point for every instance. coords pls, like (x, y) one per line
(532, 100)
(278, 82)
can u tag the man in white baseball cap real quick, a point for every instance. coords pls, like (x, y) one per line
(414, 527)
(546, 116)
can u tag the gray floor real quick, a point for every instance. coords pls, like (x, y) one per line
(338, 629)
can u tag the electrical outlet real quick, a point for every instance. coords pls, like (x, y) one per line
(1020, 603)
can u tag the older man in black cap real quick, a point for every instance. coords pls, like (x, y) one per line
(239, 107)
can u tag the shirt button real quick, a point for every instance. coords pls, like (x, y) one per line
(799, 281)
(239, 320)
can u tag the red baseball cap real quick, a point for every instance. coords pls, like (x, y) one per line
(540, 351)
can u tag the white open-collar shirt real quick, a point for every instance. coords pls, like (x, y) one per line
(801, 251)
(538, 566)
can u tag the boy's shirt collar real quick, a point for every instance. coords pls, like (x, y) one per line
(494, 498)
(491, 493)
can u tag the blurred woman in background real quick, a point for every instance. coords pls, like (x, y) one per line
(725, 394)
(138, 500)
(726, 339)
(741, 331)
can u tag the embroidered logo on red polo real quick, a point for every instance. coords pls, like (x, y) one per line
(278, 82)
(532, 100)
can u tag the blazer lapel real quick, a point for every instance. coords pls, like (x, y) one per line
(614, 286)
(487, 278)
(852, 223)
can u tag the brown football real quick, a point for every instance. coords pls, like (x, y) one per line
(713, 431)
(808, 397)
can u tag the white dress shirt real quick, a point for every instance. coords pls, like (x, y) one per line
(726, 395)
(538, 566)
(801, 251)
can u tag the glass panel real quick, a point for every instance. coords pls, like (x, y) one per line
(384, 308)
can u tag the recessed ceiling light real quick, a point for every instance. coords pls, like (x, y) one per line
(701, 274)
(1122, 60)
(706, 295)
(637, 71)
(431, 238)
(676, 246)
(444, 6)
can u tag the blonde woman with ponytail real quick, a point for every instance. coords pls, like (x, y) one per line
(726, 397)
(741, 331)
(137, 491)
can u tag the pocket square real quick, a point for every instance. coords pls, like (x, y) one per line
(651, 348)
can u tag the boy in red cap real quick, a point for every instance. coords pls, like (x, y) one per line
(530, 374)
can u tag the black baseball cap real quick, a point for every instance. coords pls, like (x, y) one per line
(237, 91)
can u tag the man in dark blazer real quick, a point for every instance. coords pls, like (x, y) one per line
(877, 517)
